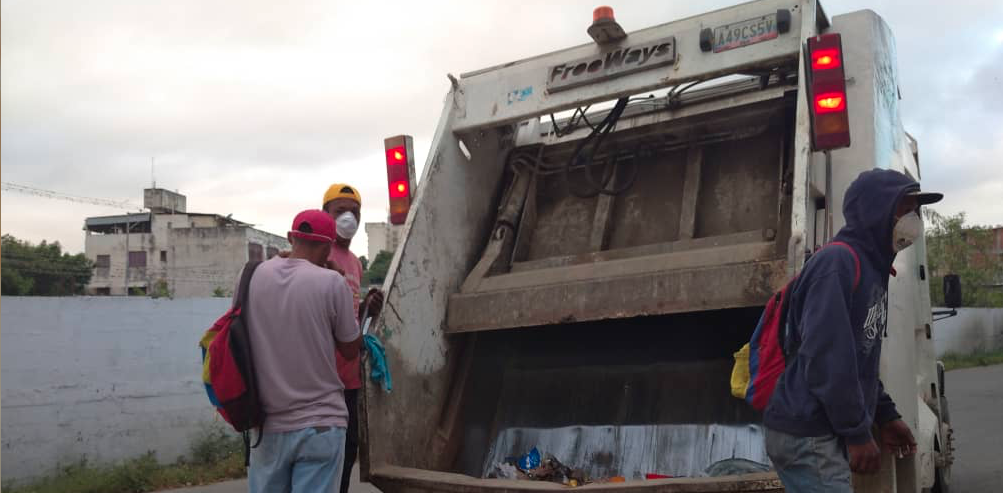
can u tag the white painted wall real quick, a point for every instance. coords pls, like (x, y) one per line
(974, 329)
(105, 377)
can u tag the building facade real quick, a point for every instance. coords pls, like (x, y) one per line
(169, 251)
(382, 236)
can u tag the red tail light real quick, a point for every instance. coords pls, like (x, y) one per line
(824, 59)
(400, 176)
(829, 102)
(827, 83)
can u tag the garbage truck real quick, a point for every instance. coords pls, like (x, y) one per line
(594, 235)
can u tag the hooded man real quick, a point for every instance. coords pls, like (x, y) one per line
(343, 203)
(820, 416)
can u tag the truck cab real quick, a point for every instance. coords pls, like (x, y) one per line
(596, 232)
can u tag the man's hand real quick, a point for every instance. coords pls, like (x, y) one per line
(331, 264)
(897, 439)
(865, 458)
(374, 302)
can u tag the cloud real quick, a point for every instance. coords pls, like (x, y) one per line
(254, 107)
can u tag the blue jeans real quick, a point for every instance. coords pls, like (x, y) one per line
(809, 464)
(308, 460)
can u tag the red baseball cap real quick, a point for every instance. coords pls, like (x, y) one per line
(313, 225)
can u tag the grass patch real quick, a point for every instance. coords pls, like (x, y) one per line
(216, 455)
(982, 358)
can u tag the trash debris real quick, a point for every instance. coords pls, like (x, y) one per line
(504, 471)
(657, 476)
(530, 460)
(530, 466)
(734, 466)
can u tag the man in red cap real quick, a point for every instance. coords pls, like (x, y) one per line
(299, 313)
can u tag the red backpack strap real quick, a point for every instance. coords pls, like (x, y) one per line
(856, 261)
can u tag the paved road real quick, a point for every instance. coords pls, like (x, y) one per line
(976, 402)
(975, 397)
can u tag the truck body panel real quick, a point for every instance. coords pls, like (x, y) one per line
(519, 314)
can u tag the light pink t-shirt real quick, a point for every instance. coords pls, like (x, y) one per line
(348, 370)
(295, 312)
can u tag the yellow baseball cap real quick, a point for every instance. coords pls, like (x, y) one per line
(341, 191)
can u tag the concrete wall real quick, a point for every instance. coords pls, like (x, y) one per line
(203, 259)
(974, 329)
(103, 377)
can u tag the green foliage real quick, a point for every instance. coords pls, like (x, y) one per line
(219, 292)
(161, 290)
(981, 358)
(216, 455)
(214, 444)
(364, 261)
(955, 248)
(377, 271)
(42, 270)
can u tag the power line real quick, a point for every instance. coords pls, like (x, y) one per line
(49, 194)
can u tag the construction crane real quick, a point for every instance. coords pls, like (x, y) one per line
(38, 192)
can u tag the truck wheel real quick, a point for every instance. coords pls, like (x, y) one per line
(942, 475)
(945, 414)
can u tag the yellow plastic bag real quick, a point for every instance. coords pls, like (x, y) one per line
(740, 373)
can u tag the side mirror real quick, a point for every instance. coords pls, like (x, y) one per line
(952, 291)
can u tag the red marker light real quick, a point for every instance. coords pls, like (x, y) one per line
(825, 59)
(604, 12)
(398, 189)
(829, 102)
(396, 156)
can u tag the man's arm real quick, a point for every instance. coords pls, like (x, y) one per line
(348, 337)
(886, 407)
(829, 354)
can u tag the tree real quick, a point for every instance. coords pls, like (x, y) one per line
(42, 270)
(378, 268)
(968, 251)
(364, 261)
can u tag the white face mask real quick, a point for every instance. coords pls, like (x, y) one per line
(346, 225)
(907, 229)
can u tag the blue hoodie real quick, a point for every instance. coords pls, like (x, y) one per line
(830, 385)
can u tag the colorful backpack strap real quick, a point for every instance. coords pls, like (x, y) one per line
(856, 261)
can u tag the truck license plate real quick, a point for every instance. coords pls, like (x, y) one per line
(745, 33)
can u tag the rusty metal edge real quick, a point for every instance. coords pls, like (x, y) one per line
(392, 479)
(660, 293)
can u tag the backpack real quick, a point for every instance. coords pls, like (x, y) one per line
(228, 367)
(761, 361)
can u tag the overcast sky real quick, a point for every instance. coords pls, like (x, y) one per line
(254, 107)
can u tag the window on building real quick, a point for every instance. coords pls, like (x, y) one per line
(163, 256)
(102, 265)
(255, 253)
(272, 251)
(102, 291)
(137, 259)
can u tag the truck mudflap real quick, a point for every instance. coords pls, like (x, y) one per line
(392, 479)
